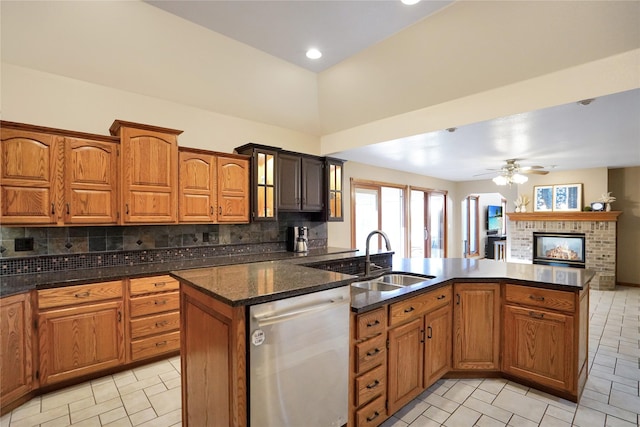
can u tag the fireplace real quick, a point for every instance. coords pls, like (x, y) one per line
(560, 249)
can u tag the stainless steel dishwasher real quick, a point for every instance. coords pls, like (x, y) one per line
(299, 360)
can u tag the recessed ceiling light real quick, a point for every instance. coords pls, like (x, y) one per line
(313, 53)
(410, 2)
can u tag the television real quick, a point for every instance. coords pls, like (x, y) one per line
(494, 218)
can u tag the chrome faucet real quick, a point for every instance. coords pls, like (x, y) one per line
(367, 259)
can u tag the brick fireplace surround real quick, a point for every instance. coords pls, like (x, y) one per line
(600, 229)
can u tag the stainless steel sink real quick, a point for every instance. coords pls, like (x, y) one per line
(403, 279)
(376, 285)
(391, 282)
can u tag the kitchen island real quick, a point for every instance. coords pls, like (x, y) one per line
(474, 318)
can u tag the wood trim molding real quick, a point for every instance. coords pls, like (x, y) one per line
(564, 216)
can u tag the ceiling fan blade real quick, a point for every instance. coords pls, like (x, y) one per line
(534, 172)
(487, 173)
(525, 168)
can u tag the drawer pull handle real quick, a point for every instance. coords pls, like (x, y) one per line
(372, 324)
(430, 333)
(373, 417)
(53, 209)
(374, 384)
(85, 294)
(161, 324)
(373, 352)
(409, 310)
(536, 298)
(159, 284)
(442, 297)
(161, 344)
(162, 302)
(536, 315)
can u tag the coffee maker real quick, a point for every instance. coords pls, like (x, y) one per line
(298, 239)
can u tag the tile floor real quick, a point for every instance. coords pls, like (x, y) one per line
(150, 395)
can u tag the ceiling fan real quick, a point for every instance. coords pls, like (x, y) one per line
(511, 172)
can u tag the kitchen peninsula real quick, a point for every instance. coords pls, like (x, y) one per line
(476, 318)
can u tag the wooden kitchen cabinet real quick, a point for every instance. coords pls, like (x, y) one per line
(540, 342)
(30, 169)
(476, 326)
(368, 367)
(198, 186)
(334, 170)
(149, 172)
(437, 347)
(406, 360)
(213, 362)
(233, 189)
(16, 360)
(154, 316)
(52, 176)
(300, 183)
(80, 330)
(263, 187)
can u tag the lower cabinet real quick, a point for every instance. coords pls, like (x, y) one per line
(541, 340)
(406, 358)
(82, 338)
(16, 368)
(437, 344)
(476, 326)
(154, 312)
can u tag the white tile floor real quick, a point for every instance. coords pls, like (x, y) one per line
(150, 395)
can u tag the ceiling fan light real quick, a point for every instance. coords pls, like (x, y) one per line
(519, 179)
(500, 180)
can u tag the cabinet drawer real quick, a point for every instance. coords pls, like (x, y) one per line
(156, 303)
(370, 353)
(151, 325)
(148, 347)
(404, 310)
(370, 385)
(543, 298)
(372, 414)
(70, 295)
(371, 323)
(147, 285)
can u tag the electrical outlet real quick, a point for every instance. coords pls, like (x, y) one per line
(205, 237)
(23, 244)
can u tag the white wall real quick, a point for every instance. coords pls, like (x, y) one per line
(34, 97)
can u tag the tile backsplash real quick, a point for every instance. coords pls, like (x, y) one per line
(61, 248)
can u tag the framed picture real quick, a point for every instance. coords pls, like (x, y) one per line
(567, 197)
(543, 198)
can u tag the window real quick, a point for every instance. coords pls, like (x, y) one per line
(471, 218)
(427, 225)
(378, 207)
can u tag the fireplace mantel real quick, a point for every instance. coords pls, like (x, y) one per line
(564, 216)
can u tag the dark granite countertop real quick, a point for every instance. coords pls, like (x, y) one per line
(15, 284)
(449, 270)
(255, 283)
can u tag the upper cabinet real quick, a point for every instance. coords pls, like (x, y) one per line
(263, 180)
(233, 189)
(334, 173)
(50, 176)
(149, 171)
(301, 183)
(197, 186)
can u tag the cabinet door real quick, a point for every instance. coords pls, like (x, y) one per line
(80, 340)
(437, 351)
(233, 190)
(476, 322)
(90, 182)
(405, 362)
(334, 205)
(289, 181)
(197, 183)
(312, 184)
(538, 346)
(15, 347)
(30, 170)
(150, 176)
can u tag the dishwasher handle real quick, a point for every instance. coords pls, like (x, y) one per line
(270, 319)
